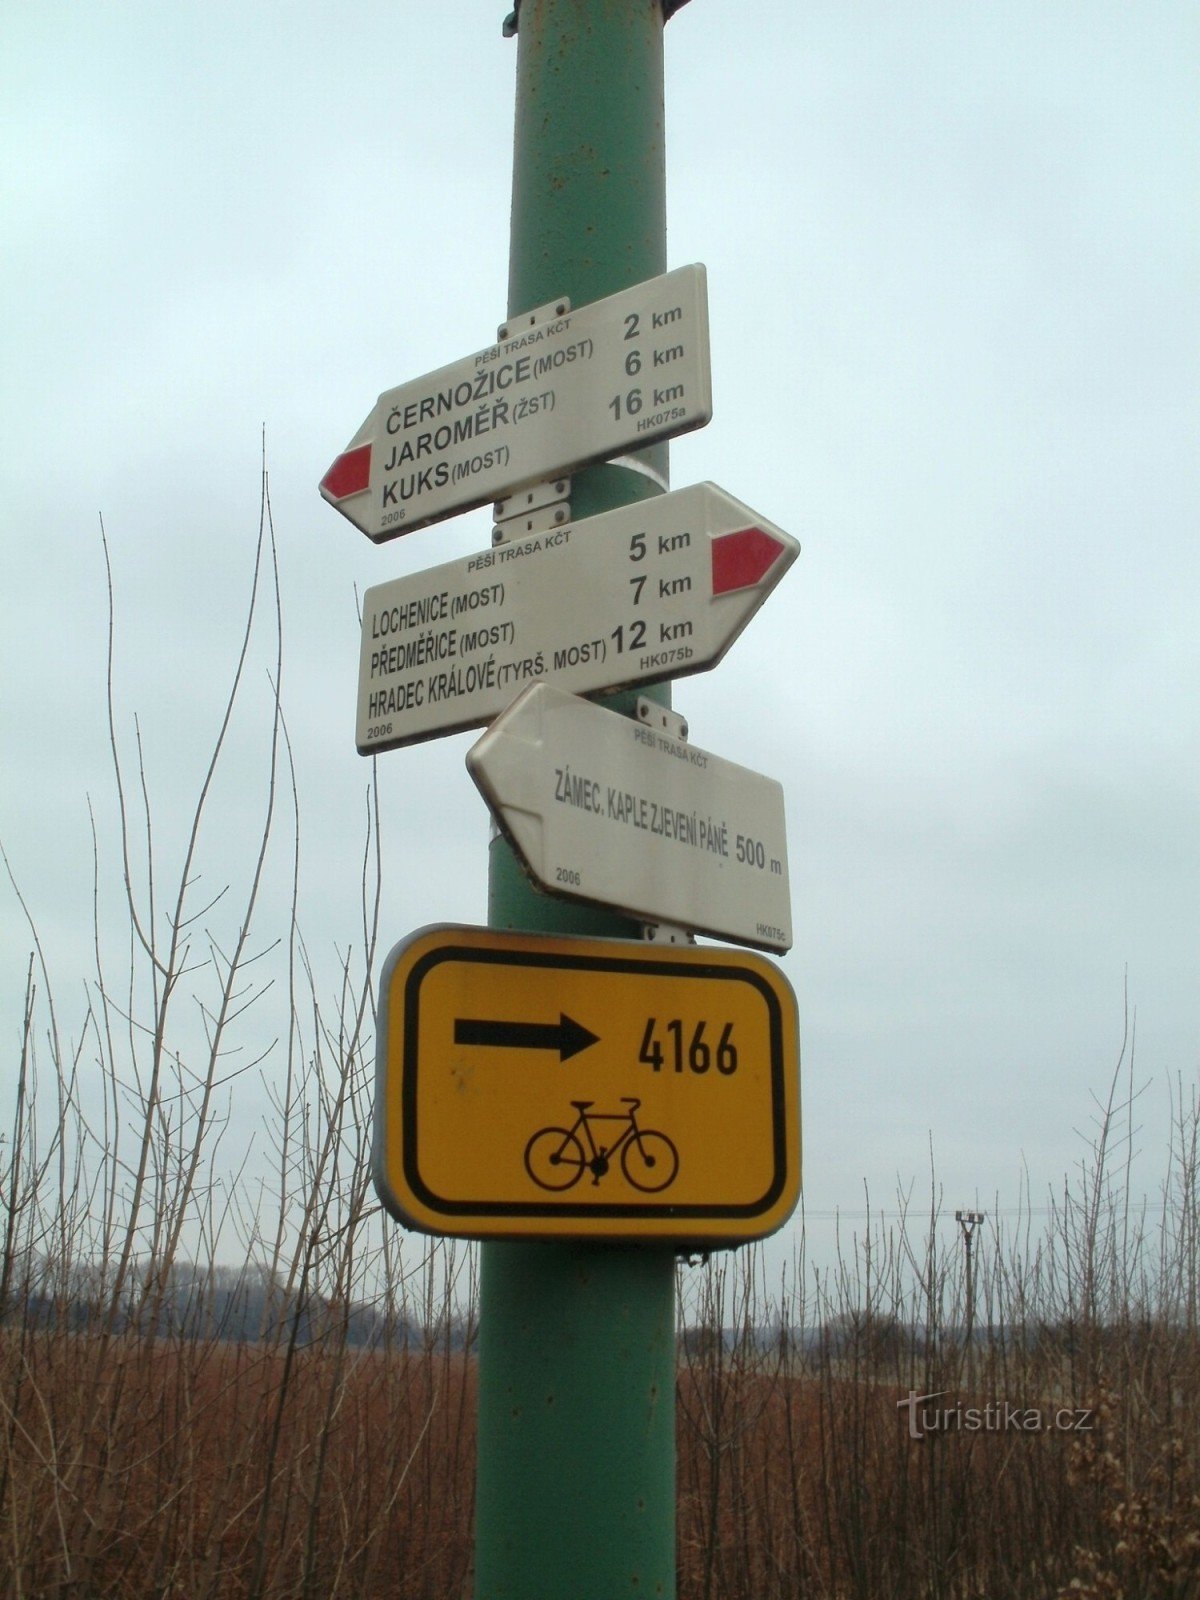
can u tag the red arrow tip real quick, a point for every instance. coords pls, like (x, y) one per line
(349, 474)
(742, 559)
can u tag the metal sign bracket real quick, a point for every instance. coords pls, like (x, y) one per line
(670, 722)
(538, 509)
(666, 933)
(541, 506)
(662, 717)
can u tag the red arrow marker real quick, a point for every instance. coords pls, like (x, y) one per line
(742, 559)
(349, 474)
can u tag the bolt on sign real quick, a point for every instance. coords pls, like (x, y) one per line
(616, 374)
(543, 1086)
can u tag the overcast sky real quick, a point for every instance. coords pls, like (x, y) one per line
(951, 255)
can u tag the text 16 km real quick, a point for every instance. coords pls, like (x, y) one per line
(683, 1048)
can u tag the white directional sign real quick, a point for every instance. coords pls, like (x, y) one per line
(584, 386)
(655, 590)
(602, 808)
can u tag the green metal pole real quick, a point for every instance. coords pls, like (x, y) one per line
(575, 1491)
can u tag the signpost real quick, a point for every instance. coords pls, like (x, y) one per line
(650, 591)
(540, 1087)
(582, 386)
(604, 809)
(585, 1106)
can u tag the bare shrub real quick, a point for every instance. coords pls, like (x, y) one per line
(834, 1442)
(297, 1424)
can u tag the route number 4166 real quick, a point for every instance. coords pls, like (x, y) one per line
(697, 1054)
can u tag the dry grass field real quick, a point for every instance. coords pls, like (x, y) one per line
(303, 1426)
(148, 1466)
(138, 1467)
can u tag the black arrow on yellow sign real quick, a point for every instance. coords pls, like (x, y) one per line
(566, 1035)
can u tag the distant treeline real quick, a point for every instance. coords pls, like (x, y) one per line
(239, 1305)
(248, 1304)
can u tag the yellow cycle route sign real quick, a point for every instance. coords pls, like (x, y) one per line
(543, 1086)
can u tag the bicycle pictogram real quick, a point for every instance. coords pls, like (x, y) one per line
(556, 1158)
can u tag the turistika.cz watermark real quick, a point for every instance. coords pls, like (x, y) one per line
(925, 1417)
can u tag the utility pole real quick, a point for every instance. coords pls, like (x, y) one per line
(968, 1221)
(575, 1491)
(576, 1455)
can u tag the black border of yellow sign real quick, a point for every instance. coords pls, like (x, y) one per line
(397, 1146)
